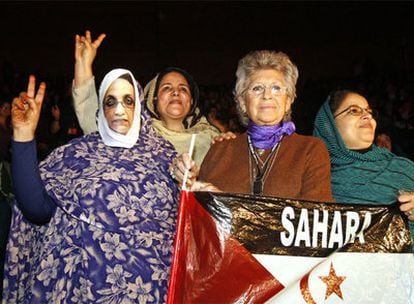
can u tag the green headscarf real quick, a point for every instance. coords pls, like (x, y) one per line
(373, 177)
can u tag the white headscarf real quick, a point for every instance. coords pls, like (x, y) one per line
(110, 137)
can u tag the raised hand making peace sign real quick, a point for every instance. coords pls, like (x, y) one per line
(26, 111)
(85, 53)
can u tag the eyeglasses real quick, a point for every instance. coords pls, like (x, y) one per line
(111, 102)
(355, 110)
(258, 89)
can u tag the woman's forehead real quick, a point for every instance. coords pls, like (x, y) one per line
(120, 83)
(267, 74)
(174, 77)
(120, 87)
(354, 99)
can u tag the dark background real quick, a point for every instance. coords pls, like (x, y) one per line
(367, 46)
(325, 39)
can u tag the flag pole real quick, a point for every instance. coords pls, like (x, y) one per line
(190, 153)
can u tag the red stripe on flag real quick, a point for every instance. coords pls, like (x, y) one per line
(209, 266)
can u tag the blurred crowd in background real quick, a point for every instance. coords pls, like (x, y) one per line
(389, 92)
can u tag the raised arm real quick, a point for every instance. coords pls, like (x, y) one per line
(85, 99)
(85, 53)
(26, 111)
(31, 196)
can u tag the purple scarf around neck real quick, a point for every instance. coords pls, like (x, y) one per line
(266, 137)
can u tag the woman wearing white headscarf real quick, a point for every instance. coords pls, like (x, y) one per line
(172, 99)
(95, 222)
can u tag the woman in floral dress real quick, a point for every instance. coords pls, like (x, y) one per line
(95, 222)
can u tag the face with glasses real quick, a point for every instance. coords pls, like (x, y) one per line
(355, 122)
(174, 97)
(265, 100)
(119, 105)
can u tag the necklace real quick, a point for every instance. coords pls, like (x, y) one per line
(260, 151)
(260, 170)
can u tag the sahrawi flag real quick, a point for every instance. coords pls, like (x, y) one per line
(246, 249)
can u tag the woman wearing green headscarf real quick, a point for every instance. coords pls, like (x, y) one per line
(361, 172)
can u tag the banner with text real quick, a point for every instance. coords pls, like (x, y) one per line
(233, 248)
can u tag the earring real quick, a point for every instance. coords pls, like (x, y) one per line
(288, 115)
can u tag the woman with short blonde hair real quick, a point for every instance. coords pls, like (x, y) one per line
(270, 158)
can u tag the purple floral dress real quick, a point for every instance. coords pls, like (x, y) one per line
(110, 239)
